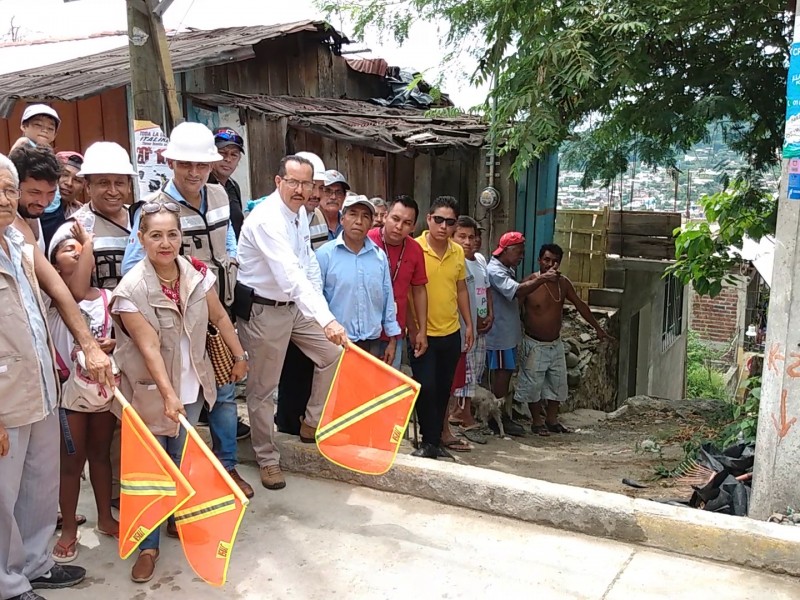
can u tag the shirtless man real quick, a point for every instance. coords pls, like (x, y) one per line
(543, 368)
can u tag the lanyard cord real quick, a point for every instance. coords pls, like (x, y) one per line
(399, 259)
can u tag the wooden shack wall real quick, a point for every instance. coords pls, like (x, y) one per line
(102, 117)
(297, 65)
(369, 172)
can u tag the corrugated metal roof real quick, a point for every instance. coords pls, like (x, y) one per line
(370, 66)
(89, 75)
(393, 130)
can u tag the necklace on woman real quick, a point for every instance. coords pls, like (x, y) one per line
(547, 287)
(169, 280)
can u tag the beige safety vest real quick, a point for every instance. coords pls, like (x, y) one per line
(21, 391)
(318, 228)
(110, 241)
(204, 236)
(141, 286)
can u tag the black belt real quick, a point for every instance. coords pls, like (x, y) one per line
(268, 302)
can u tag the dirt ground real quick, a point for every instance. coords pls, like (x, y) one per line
(601, 452)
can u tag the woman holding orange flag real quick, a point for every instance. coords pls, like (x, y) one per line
(162, 308)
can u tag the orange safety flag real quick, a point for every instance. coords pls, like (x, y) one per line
(366, 413)
(151, 486)
(208, 522)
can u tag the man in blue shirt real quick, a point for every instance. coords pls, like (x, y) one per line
(208, 236)
(356, 281)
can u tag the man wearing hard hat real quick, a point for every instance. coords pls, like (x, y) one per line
(107, 173)
(208, 236)
(316, 220)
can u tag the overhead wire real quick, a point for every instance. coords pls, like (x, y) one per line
(180, 23)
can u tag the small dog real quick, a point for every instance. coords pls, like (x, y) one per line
(488, 405)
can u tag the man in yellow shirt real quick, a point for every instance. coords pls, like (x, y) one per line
(447, 297)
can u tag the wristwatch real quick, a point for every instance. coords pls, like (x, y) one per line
(242, 358)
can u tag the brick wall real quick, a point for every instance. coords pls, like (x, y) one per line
(716, 319)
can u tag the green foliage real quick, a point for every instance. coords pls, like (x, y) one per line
(618, 77)
(745, 208)
(445, 112)
(702, 380)
(744, 417)
(737, 422)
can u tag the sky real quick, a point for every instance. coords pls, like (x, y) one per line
(41, 19)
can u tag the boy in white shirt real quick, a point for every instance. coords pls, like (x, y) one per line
(481, 302)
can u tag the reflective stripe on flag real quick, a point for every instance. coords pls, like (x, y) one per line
(147, 488)
(206, 510)
(366, 412)
(209, 522)
(151, 486)
(363, 411)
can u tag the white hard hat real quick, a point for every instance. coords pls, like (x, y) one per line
(106, 158)
(40, 109)
(192, 142)
(316, 162)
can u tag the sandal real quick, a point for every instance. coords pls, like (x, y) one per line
(473, 434)
(110, 534)
(558, 428)
(69, 550)
(457, 446)
(540, 430)
(79, 520)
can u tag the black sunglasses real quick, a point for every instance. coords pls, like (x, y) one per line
(153, 207)
(438, 219)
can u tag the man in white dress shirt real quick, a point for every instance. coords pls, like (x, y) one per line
(279, 299)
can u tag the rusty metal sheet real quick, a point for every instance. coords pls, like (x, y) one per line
(395, 130)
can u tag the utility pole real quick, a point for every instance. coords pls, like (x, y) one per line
(633, 177)
(152, 80)
(688, 194)
(777, 469)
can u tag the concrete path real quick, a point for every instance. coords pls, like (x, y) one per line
(322, 539)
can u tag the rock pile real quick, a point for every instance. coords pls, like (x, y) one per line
(591, 364)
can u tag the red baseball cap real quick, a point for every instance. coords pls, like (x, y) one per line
(508, 239)
(70, 158)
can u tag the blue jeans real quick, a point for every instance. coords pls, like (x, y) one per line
(398, 355)
(174, 447)
(222, 422)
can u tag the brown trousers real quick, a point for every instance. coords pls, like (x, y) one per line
(265, 337)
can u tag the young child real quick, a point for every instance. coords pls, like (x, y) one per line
(466, 236)
(39, 126)
(85, 435)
